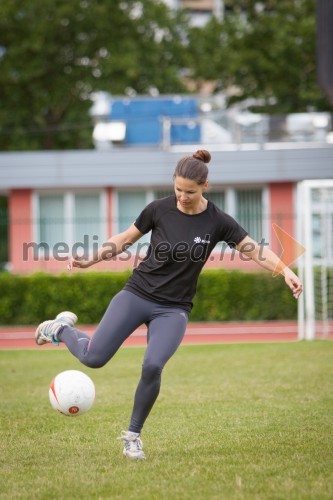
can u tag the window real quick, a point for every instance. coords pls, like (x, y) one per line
(322, 223)
(219, 199)
(216, 197)
(71, 217)
(130, 205)
(51, 219)
(249, 211)
(245, 205)
(88, 221)
(163, 193)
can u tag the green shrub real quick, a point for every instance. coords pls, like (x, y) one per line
(221, 296)
(242, 296)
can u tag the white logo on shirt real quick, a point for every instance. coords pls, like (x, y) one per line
(197, 239)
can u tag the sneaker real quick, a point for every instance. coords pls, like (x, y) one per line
(132, 445)
(48, 331)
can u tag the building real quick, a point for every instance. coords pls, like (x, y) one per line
(144, 120)
(67, 201)
(200, 11)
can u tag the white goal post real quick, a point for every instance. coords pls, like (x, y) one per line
(315, 268)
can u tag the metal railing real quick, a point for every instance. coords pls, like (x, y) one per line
(236, 130)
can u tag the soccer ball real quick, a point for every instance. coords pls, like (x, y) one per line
(72, 393)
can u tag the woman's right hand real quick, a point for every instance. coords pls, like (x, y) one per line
(80, 262)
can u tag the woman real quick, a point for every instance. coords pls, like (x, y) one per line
(185, 229)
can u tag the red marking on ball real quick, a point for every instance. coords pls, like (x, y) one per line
(52, 387)
(73, 409)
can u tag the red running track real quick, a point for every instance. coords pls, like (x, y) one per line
(196, 333)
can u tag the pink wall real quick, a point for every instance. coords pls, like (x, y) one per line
(281, 209)
(21, 233)
(20, 230)
(283, 214)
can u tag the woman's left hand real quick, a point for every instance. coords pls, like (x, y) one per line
(293, 282)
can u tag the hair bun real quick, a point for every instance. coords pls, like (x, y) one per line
(203, 155)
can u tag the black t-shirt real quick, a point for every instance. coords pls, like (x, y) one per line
(179, 247)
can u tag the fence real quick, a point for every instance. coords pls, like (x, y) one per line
(167, 121)
(231, 128)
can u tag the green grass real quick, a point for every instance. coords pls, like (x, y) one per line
(231, 422)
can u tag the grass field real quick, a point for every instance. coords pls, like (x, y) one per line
(232, 422)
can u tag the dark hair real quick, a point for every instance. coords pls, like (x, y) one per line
(194, 167)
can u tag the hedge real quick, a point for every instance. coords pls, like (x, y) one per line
(221, 296)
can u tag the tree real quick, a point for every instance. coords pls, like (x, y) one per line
(54, 53)
(264, 50)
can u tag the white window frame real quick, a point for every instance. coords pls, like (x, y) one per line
(69, 204)
(231, 207)
(115, 215)
(115, 203)
(230, 204)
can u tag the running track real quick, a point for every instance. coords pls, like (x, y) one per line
(196, 333)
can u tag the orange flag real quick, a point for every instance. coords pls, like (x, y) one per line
(291, 249)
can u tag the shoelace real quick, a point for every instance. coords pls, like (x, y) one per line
(132, 440)
(50, 330)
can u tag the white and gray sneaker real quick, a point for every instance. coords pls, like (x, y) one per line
(48, 330)
(133, 447)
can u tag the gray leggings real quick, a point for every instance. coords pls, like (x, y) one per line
(166, 329)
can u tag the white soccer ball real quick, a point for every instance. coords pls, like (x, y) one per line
(72, 393)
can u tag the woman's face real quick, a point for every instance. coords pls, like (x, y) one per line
(188, 192)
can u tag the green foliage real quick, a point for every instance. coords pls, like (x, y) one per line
(239, 296)
(266, 51)
(27, 299)
(221, 296)
(53, 54)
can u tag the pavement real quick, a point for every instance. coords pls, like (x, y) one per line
(22, 337)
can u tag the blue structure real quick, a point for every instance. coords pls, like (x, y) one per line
(144, 119)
